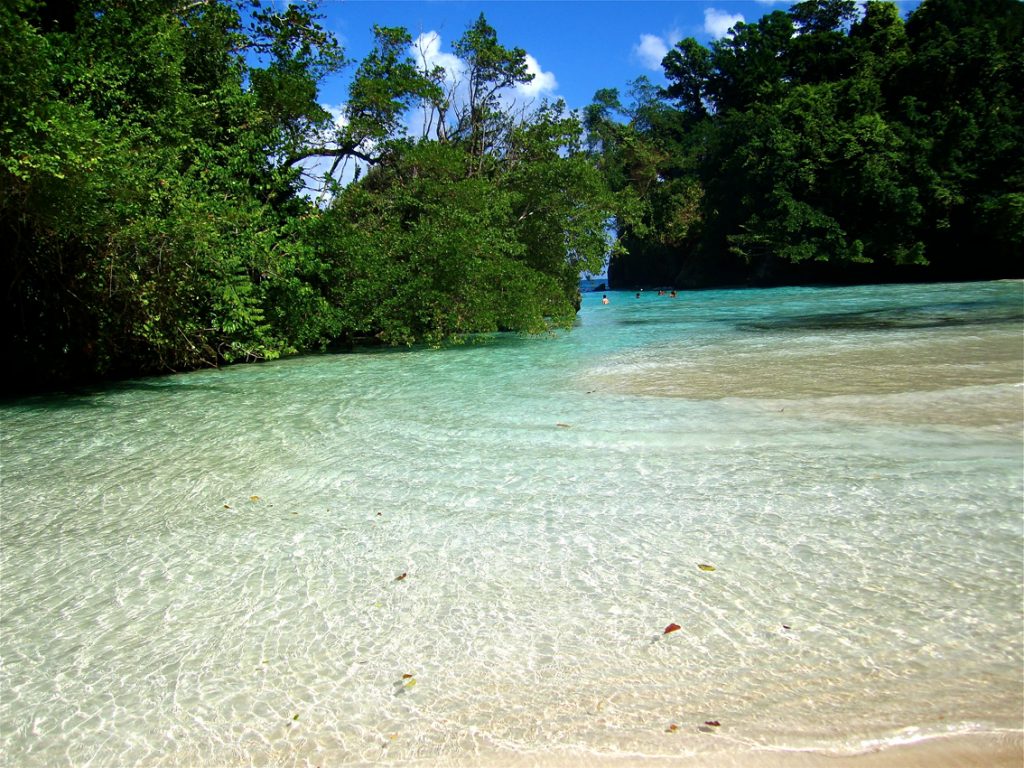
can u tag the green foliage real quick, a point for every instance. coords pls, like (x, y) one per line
(688, 66)
(428, 249)
(386, 84)
(749, 66)
(138, 192)
(491, 68)
(149, 192)
(823, 136)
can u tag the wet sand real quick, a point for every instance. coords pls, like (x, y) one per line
(1000, 750)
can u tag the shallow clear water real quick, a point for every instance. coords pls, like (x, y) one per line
(241, 567)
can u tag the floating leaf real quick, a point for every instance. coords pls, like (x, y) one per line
(295, 716)
(227, 506)
(712, 723)
(563, 425)
(786, 626)
(407, 676)
(254, 498)
(706, 567)
(672, 728)
(410, 683)
(399, 578)
(671, 628)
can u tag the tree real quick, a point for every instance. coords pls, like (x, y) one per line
(749, 65)
(819, 145)
(688, 67)
(819, 51)
(491, 68)
(138, 183)
(963, 116)
(386, 84)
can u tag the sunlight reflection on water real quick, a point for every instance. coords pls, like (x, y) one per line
(240, 567)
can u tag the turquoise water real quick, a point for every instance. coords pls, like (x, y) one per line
(470, 555)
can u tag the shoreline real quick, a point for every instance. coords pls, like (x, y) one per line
(1003, 749)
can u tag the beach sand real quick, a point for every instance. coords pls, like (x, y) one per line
(1002, 750)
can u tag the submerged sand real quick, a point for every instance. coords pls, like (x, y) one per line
(956, 378)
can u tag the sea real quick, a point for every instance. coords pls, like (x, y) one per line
(727, 522)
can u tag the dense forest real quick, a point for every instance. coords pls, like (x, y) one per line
(170, 194)
(155, 189)
(825, 144)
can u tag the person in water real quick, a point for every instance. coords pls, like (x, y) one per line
(604, 298)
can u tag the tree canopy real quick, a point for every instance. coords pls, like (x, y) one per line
(826, 143)
(157, 165)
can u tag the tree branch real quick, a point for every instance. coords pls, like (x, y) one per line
(339, 152)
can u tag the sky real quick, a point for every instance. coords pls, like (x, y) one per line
(574, 47)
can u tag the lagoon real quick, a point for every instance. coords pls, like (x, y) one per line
(469, 556)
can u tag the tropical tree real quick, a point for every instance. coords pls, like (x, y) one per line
(827, 143)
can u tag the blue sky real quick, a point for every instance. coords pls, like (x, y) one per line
(576, 46)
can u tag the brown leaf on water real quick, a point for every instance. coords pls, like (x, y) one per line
(399, 578)
(786, 626)
(254, 498)
(227, 506)
(671, 628)
(672, 728)
(712, 723)
(406, 676)
(706, 567)
(563, 425)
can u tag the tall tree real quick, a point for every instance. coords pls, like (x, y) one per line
(483, 121)
(837, 146)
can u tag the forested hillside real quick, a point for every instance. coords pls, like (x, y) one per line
(151, 191)
(825, 143)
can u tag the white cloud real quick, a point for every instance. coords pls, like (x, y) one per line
(651, 50)
(426, 49)
(543, 82)
(718, 23)
(338, 113)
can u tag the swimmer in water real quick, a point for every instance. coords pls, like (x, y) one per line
(604, 298)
